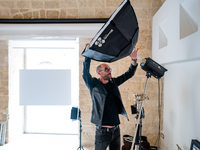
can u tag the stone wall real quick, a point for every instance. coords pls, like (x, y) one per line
(4, 98)
(145, 9)
(31, 9)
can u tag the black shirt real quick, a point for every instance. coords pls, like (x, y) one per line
(110, 115)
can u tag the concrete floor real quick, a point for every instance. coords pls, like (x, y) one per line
(44, 142)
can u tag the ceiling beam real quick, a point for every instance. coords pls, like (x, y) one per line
(43, 21)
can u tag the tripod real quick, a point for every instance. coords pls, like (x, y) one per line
(80, 130)
(140, 104)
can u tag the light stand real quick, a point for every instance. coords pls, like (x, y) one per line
(76, 115)
(80, 130)
(152, 68)
(140, 103)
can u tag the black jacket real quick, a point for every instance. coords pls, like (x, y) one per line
(98, 92)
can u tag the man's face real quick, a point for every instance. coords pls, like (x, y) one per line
(105, 72)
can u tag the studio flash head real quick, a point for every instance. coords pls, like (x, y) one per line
(153, 68)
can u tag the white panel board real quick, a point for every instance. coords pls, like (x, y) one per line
(45, 87)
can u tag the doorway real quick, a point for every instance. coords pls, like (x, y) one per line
(48, 53)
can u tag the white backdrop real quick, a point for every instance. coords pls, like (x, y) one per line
(45, 87)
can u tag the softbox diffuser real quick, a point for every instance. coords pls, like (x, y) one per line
(117, 38)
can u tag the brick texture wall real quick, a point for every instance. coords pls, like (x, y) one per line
(4, 98)
(30, 9)
(145, 9)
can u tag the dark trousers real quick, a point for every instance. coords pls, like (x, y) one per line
(105, 137)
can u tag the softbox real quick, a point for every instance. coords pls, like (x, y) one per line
(117, 37)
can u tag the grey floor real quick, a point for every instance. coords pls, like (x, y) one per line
(44, 142)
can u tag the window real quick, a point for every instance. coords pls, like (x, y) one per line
(51, 53)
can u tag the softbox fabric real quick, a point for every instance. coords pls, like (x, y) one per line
(117, 38)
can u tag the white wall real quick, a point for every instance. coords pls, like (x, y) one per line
(176, 45)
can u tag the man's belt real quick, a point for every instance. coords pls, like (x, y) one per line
(108, 129)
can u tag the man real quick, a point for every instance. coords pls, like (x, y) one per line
(107, 102)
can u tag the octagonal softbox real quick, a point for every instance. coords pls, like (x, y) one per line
(117, 37)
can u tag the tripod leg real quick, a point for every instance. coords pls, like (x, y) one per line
(80, 148)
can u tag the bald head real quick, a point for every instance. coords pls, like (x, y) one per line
(104, 72)
(100, 67)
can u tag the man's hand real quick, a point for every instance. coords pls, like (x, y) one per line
(87, 44)
(134, 57)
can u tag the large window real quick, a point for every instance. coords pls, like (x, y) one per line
(51, 54)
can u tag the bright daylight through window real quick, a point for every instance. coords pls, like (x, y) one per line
(51, 54)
